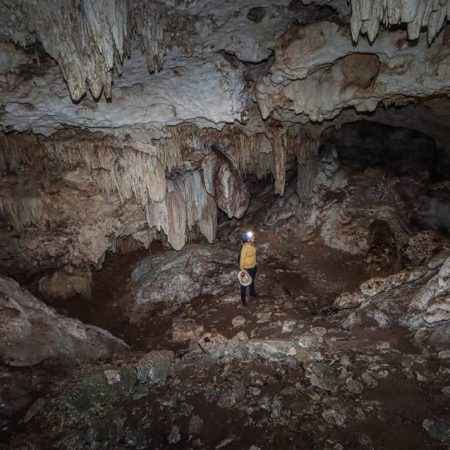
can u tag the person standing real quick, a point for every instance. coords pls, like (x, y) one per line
(247, 262)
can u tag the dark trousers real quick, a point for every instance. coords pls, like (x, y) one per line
(252, 273)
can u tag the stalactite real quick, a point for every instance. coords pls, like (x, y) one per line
(251, 153)
(23, 211)
(305, 141)
(186, 204)
(200, 206)
(176, 222)
(204, 167)
(278, 140)
(88, 39)
(148, 23)
(171, 206)
(368, 14)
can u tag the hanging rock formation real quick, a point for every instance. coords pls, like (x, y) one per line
(97, 37)
(416, 14)
(317, 72)
(120, 193)
(140, 100)
(223, 182)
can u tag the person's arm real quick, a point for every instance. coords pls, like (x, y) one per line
(243, 255)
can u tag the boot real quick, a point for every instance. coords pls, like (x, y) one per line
(253, 294)
(243, 299)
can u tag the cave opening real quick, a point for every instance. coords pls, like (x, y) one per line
(224, 226)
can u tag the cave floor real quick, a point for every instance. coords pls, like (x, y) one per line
(297, 285)
(364, 388)
(294, 291)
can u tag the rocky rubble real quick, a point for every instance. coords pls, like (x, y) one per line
(415, 298)
(285, 381)
(258, 383)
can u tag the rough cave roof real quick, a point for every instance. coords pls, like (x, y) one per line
(131, 63)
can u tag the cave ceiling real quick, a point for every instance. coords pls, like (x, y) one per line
(137, 65)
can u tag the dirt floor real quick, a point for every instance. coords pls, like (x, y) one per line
(299, 294)
(316, 275)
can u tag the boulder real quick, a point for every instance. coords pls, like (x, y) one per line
(237, 346)
(107, 427)
(421, 247)
(438, 430)
(432, 297)
(312, 339)
(438, 311)
(214, 344)
(66, 284)
(333, 417)
(322, 376)
(31, 332)
(414, 298)
(155, 366)
(182, 276)
(272, 349)
(349, 300)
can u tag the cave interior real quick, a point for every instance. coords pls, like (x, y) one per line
(138, 142)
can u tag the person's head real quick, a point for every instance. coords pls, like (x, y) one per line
(248, 236)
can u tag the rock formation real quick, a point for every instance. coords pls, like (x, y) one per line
(31, 332)
(317, 72)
